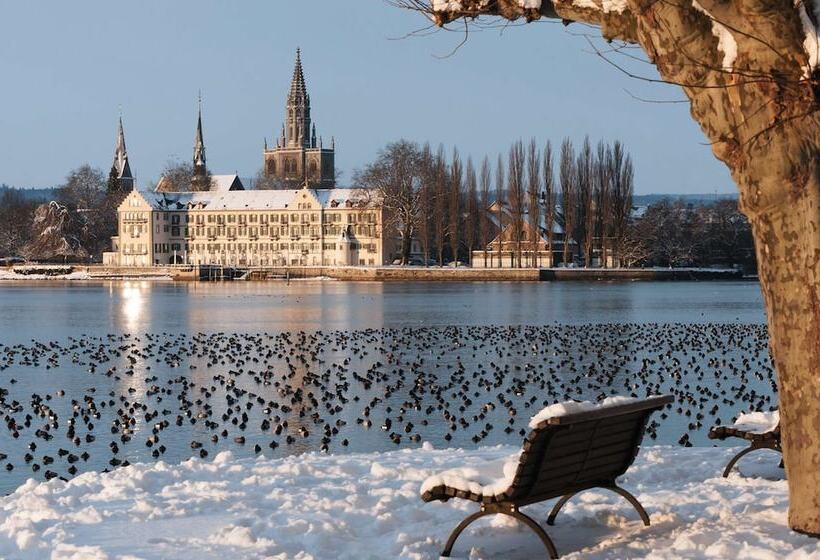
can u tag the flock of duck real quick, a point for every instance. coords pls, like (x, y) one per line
(95, 403)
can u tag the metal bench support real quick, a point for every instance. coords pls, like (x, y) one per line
(754, 447)
(614, 488)
(503, 509)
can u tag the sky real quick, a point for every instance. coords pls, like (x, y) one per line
(69, 68)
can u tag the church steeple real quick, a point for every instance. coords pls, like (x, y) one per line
(298, 108)
(120, 178)
(200, 167)
(199, 143)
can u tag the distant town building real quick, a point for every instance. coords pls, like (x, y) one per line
(521, 249)
(299, 155)
(204, 219)
(294, 227)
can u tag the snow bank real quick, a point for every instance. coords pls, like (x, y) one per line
(368, 506)
(757, 422)
(11, 275)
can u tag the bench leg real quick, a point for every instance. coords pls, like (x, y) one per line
(736, 458)
(514, 513)
(632, 500)
(617, 489)
(557, 507)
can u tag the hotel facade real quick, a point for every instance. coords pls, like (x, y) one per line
(302, 227)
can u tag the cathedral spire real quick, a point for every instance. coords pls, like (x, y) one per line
(120, 177)
(298, 89)
(298, 107)
(199, 179)
(199, 144)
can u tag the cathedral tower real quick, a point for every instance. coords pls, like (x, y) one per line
(298, 156)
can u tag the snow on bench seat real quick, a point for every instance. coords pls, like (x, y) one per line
(757, 422)
(492, 478)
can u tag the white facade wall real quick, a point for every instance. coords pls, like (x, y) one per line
(299, 232)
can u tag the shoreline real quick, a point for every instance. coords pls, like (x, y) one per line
(385, 274)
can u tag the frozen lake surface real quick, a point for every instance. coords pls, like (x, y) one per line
(97, 374)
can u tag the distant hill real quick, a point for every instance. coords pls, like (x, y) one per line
(37, 195)
(647, 199)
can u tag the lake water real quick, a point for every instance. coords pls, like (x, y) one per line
(308, 365)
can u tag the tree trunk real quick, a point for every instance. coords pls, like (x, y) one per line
(788, 247)
(751, 73)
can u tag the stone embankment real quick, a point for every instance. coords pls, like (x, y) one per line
(411, 273)
(368, 274)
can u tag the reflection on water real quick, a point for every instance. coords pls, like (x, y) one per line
(54, 309)
(132, 305)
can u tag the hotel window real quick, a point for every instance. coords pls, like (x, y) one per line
(210, 219)
(175, 219)
(314, 217)
(175, 231)
(274, 218)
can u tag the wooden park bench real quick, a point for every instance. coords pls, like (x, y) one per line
(562, 456)
(758, 439)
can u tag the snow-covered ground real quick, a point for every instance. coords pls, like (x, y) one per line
(367, 506)
(11, 275)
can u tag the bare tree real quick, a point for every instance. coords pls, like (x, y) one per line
(569, 193)
(533, 200)
(500, 205)
(603, 197)
(622, 187)
(426, 202)
(84, 188)
(454, 202)
(16, 216)
(395, 178)
(471, 217)
(440, 216)
(178, 176)
(586, 212)
(547, 175)
(484, 224)
(264, 182)
(517, 196)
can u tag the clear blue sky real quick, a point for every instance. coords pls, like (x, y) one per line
(67, 67)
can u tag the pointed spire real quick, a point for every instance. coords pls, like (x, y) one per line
(199, 143)
(121, 167)
(298, 89)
